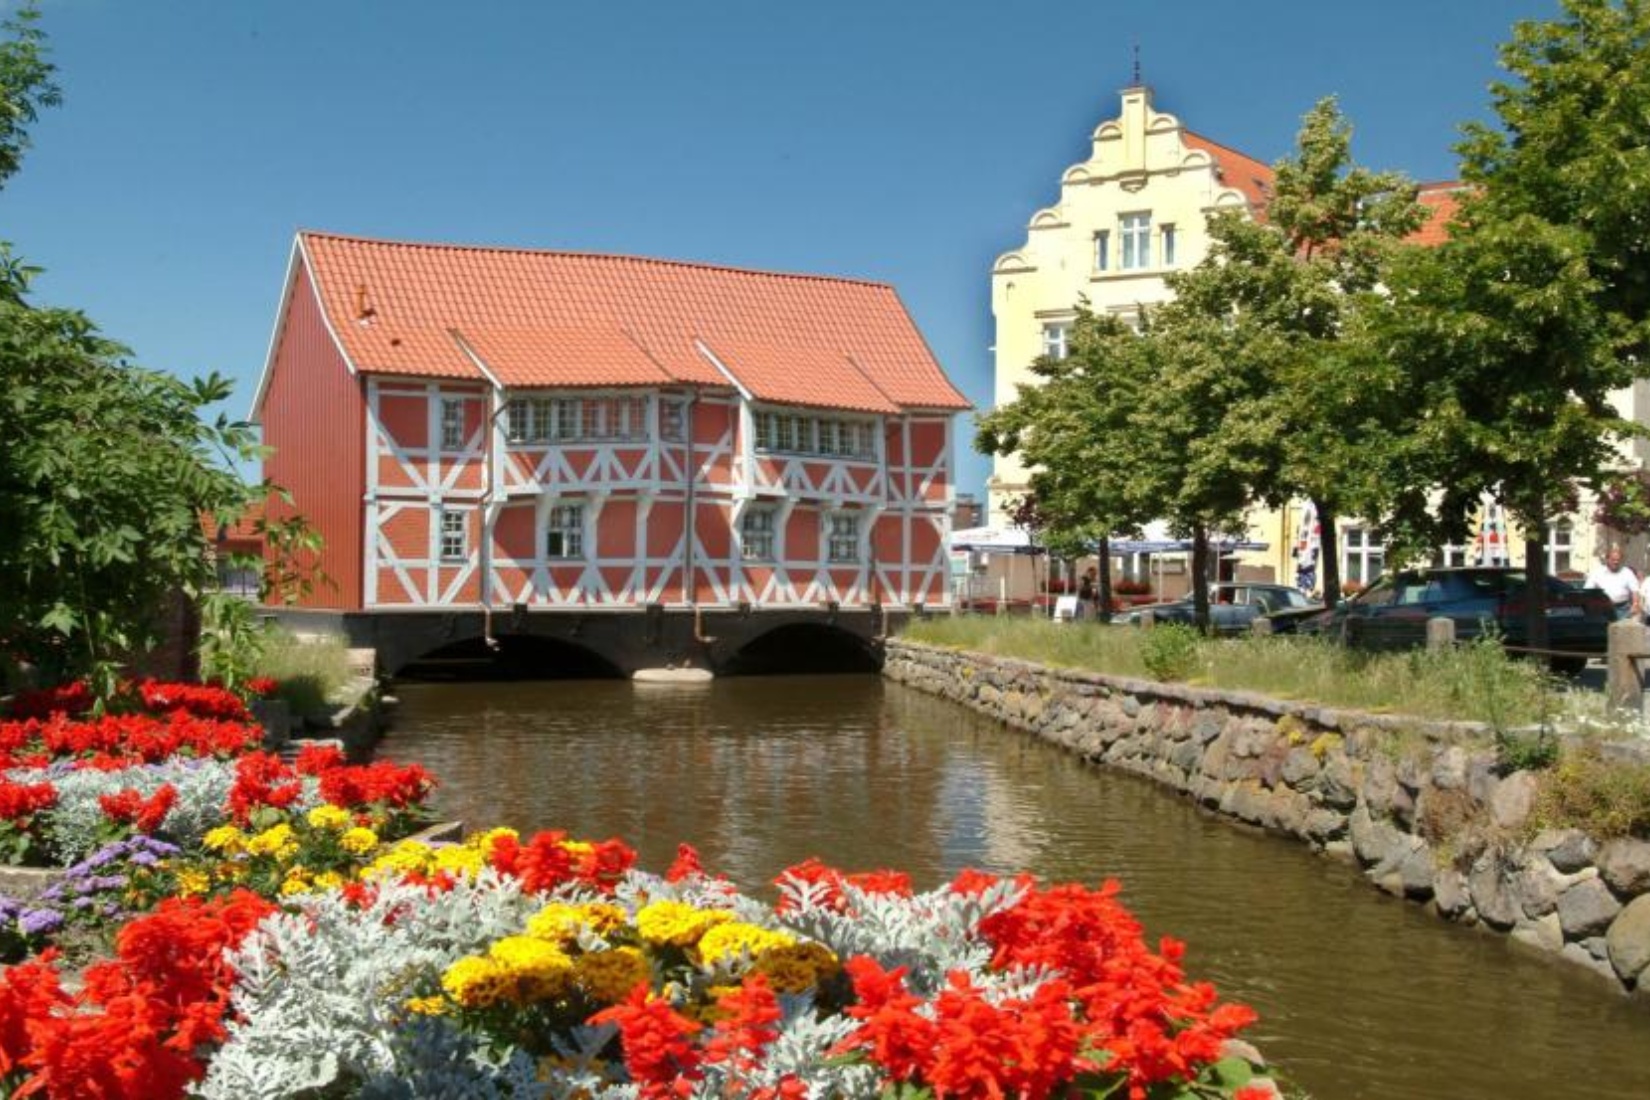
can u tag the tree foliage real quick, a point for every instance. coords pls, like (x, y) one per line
(107, 469)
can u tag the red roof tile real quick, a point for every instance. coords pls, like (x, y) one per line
(558, 318)
(800, 375)
(1441, 201)
(1237, 170)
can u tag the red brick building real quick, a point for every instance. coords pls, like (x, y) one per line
(484, 427)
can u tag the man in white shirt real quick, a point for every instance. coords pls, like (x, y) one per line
(1617, 581)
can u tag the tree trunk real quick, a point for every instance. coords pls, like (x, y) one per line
(1200, 577)
(1104, 593)
(1329, 556)
(1535, 579)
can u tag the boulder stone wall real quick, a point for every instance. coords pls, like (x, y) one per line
(1420, 806)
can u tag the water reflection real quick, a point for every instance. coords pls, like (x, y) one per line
(1360, 995)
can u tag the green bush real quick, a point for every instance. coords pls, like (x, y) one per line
(312, 672)
(1603, 798)
(1170, 651)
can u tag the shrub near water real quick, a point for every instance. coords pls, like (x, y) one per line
(311, 672)
(1601, 797)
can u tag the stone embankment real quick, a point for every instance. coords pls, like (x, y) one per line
(1421, 806)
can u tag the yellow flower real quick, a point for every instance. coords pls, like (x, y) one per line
(407, 857)
(536, 970)
(191, 882)
(475, 982)
(225, 838)
(676, 922)
(736, 940)
(797, 967)
(607, 977)
(358, 841)
(459, 860)
(427, 1006)
(277, 840)
(328, 816)
(296, 882)
(561, 923)
(484, 842)
(329, 880)
(577, 847)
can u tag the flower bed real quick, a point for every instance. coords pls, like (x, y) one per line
(279, 946)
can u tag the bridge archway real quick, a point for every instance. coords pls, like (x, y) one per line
(510, 657)
(810, 648)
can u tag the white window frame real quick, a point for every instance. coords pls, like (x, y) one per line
(1359, 552)
(756, 533)
(1055, 339)
(452, 423)
(564, 532)
(1135, 234)
(1560, 539)
(842, 538)
(672, 420)
(1102, 250)
(767, 430)
(518, 420)
(1167, 233)
(453, 535)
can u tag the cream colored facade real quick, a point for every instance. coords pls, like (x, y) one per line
(1131, 213)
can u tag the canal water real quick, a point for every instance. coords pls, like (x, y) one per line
(1360, 995)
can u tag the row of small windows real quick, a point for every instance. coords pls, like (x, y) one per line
(1134, 238)
(596, 419)
(1363, 558)
(564, 534)
(821, 435)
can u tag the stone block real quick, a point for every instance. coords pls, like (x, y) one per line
(1628, 940)
(1513, 800)
(1543, 932)
(1450, 893)
(1492, 895)
(1625, 864)
(1374, 841)
(1322, 825)
(1586, 909)
(1300, 766)
(1337, 785)
(1568, 850)
(1535, 887)
(1449, 769)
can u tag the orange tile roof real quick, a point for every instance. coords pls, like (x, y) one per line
(801, 375)
(536, 318)
(1237, 170)
(1441, 201)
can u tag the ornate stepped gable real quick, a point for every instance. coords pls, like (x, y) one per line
(473, 426)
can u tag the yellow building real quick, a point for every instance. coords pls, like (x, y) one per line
(1130, 214)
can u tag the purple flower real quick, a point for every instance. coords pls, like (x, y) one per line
(145, 859)
(83, 903)
(40, 922)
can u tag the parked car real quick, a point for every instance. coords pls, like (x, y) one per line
(1233, 608)
(1392, 613)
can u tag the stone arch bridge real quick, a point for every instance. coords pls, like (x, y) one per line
(613, 642)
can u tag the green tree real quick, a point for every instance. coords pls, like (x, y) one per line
(107, 469)
(1073, 428)
(1302, 415)
(1515, 333)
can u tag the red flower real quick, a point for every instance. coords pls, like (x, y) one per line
(686, 864)
(658, 1052)
(21, 801)
(315, 758)
(747, 1028)
(129, 807)
(261, 780)
(263, 686)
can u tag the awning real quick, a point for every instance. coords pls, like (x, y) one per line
(994, 540)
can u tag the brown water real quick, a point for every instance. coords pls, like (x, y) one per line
(1359, 995)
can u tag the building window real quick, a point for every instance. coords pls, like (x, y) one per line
(452, 424)
(1136, 230)
(790, 433)
(1363, 559)
(767, 430)
(1168, 246)
(671, 423)
(454, 536)
(564, 534)
(1102, 250)
(1452, 556)
(842, 544)
(756, 534)
(518, 422)
(1560, 547)
(1054, 340)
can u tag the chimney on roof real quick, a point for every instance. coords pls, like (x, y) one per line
(363, 312)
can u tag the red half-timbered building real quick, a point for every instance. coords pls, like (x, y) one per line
(474, 427)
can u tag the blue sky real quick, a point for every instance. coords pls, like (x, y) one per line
(907, 141)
